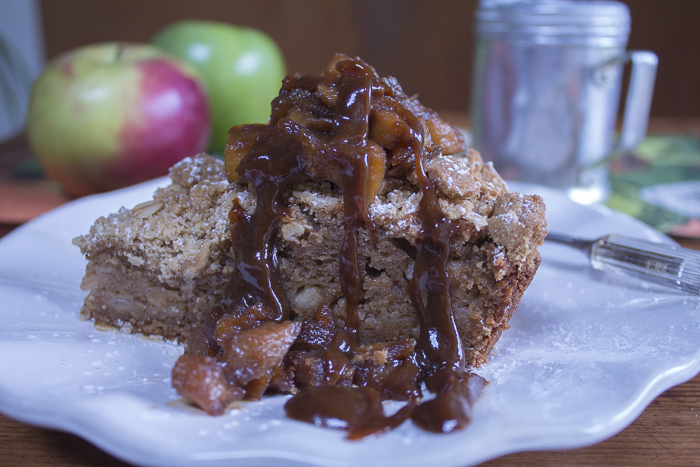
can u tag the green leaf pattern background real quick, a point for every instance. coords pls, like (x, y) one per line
(660, 184)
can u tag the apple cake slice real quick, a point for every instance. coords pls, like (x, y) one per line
(159, 267)
(351, 242)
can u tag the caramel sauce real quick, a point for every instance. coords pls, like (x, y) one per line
(320, 130)
(357, 410)
(438, 345)
(287, 153)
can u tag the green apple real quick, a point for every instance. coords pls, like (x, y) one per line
(110, 115)
(243, 69)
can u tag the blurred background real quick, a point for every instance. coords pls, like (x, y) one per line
(427, 45)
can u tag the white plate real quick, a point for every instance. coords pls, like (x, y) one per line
(585, 354)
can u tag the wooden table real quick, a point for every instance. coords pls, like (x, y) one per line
(666, 434)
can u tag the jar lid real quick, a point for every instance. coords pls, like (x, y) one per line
(602, 23)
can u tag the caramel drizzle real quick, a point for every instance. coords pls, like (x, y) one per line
(269, 167)
(279, 158)
(350, 143)
(439, 345)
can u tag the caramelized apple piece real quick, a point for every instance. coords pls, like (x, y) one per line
(255, 389)
(337, 368)
(239, 140)
(397, 131)
(450, 140)
(327, 93)
(386, 127)
(201, 380)
(382, 352)
(389, 368)
(252, 317)
(307, 368)
(377, 167)
(282, 379)
(251, 354)
(317, 334)
(331, 70)
(303, 106)
(201, 340)
(402, 383)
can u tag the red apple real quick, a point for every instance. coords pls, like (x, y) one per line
(110, 115)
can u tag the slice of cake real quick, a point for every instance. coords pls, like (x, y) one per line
(352, 242)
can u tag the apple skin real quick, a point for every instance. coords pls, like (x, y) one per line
(243, 68)
(110, 115)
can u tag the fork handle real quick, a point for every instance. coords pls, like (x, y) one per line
(668, 265)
